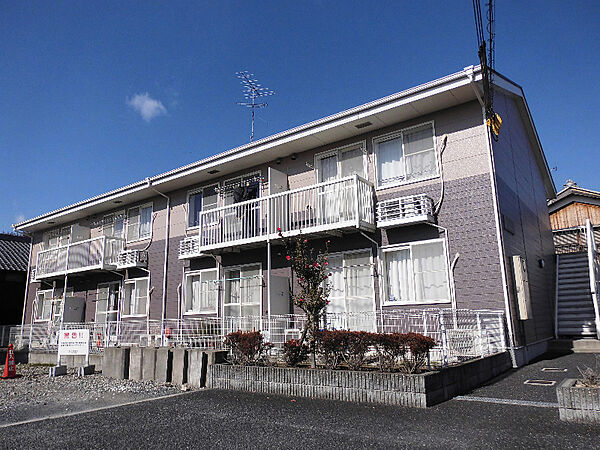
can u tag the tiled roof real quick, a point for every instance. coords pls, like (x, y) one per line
(14, 252)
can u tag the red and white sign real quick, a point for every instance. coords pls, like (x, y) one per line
(74, 342)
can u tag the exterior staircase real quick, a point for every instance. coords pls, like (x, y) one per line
(574, 309)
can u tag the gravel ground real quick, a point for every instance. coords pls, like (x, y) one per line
(34, 394)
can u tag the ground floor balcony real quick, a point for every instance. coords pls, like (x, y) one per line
(100, 253)
(334, 206)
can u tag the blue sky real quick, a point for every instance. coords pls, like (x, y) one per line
(95, 95)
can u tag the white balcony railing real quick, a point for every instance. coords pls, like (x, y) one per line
(98, 253)
(338, 204)
(404, 211)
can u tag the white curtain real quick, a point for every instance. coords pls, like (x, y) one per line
(328, 170)
(399, 279)
(431, 282)
(419, 152)
(352, 162)
(146, 222)
(389, 161)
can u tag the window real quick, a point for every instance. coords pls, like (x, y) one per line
(352, 289)
(340, 163)
(200, 200)
(243, 291)
(406, 156)
(57, 238)
(48, 307)
(139, 222)
(416, 273)
(135, 302)
(107, 302)
(113, 224)
(201, 290)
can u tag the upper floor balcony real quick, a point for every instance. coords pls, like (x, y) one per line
(100, 253)
(335, 205)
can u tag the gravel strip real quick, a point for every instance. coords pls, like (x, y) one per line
(34, 394)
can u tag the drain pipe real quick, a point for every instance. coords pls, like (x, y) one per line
(27, 285)
(166, 262)
(499, 238)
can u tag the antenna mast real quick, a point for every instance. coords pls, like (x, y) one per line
(252, 92)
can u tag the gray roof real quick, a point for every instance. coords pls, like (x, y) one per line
(14, 252)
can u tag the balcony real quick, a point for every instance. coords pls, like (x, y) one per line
(408, 210)
(100, 253)
(336, 205)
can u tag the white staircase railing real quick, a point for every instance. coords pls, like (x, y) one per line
(594, 268)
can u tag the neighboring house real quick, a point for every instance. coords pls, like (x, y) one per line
(422, 207)
(573, 207)
(14, 256)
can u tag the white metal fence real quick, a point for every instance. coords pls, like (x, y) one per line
(460, 334)
(401, 210)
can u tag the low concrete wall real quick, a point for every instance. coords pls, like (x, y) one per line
(578, 404)
(69, 361)
(116, 362)
(418, 391)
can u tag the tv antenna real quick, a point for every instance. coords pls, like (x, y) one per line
(252, 92)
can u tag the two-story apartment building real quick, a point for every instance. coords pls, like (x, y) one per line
(422, 207)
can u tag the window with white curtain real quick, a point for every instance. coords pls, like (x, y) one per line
(406, 156)
(139, 222)
(45, 302)
(340, 163)
(417, 273)
(201, 289)
(135, 301)
(202, 199)
(113, 225)
(243, 291)
(351, 290)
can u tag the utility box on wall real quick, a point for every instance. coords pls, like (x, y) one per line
(522, 287)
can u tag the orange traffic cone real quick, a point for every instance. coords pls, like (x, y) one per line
(10, 369)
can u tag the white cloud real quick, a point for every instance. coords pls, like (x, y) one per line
(146, 106)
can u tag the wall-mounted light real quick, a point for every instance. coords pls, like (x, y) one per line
(278, 161)
(294, 156)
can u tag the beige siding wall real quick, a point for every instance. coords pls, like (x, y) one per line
(526, 225)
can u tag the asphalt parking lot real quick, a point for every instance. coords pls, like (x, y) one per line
(503, 414)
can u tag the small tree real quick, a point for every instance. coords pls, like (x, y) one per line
(312, 273)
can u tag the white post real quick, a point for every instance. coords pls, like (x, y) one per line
(502, 331)
(444, 340)
(593, 266)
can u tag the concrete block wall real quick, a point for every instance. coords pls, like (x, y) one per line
(418, 391)
(578, 404)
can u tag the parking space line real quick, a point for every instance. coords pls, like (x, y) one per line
(85, 411)
(506, 401)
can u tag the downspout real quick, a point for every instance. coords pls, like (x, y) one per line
(499, 239)
(27, 285)
(166, 261)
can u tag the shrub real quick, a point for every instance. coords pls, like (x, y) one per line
(294, 352)
(354, 348)
(247, 347)
(590, 377)
(329, 347)
(419, 347)
(390, 347)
